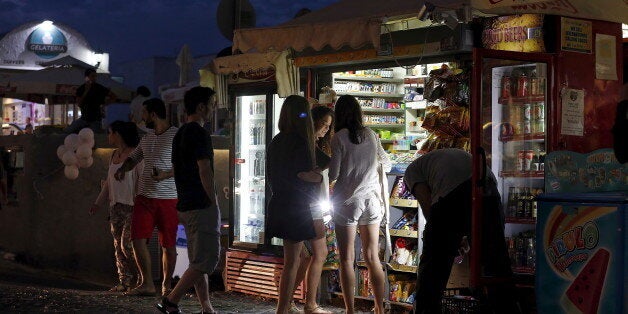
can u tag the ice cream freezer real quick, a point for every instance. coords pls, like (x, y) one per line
(581, 253)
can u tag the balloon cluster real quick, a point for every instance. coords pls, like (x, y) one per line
(76, 152)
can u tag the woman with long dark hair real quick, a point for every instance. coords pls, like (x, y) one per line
(295, 186)
(356, 158)
(120, 195)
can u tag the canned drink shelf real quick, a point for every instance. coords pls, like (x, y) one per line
(523, 137)
(522, 174)
(521, 221)
(521, 100)
(523, 270)
(404, 233)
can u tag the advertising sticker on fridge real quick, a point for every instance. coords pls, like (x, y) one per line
(579, 254)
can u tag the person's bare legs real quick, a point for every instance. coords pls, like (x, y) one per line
(142, 257)
(169, 260)
(192, 277)
(319, 254)
(346, 249)
(202, 293)
(291, 252)
(304, 263)
(369, 234)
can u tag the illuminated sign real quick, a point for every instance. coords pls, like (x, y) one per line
(522, 32)
(47, 41)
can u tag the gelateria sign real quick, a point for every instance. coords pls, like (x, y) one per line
(29, 46)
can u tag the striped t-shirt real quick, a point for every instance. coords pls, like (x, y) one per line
(156, 151)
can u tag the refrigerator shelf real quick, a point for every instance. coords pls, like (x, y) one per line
(368, 79)
(520, 174)
(258, 117)
(521, 221)
(402, 268)
(523, 137)
(366, 94)
(387, 125)
(257, 147)
(367, 109)
(523, 270)
(521, 100)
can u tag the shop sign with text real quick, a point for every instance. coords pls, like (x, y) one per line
(523, 33)
(576, 35)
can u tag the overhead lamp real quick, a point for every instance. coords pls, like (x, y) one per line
(425, 11)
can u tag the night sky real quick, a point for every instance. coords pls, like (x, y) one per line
(131, 30)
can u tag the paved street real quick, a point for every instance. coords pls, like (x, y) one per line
(27, 290)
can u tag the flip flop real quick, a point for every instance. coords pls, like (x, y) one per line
(140, 293)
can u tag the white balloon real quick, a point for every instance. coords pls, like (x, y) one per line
(88, 142)
(69, 158)
(83, 151)
(71, 142)
(71, 172)
(60, 151)
(86, 162)
(86, 134)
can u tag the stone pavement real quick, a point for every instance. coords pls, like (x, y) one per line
(27, 290)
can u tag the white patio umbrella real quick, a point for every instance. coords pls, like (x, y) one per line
(184, 60)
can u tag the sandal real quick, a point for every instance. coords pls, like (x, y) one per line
(119, 288)
(165, 291)
(317, 310)
(165, 304)
(140, 293)
(293, 308)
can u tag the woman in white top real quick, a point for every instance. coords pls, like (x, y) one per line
(120, 195)
(356, 157)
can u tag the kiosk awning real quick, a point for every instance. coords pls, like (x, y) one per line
(357, 23)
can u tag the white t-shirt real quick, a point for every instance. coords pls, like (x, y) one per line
(355, 166)
(442, 170)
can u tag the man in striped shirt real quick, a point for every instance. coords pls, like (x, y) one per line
(155, 204)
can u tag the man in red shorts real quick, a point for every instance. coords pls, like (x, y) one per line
(155, 204)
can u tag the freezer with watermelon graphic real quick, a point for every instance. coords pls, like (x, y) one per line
(581, 257)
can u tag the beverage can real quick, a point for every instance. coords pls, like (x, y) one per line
(527, 127)
(527, 112)
(538, 110)
(521, 160)
(528, 156)
(534, 86)
(539, 126)
(506, 86)
(523, 86)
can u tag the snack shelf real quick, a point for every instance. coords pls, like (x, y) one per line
(522, 174)
(367, 109)
(402, 202)
(521, 221)
(402, 304)
(523, 137)
(368, 79)
(521, 100)
(386, 125)
(366, 94)
(402, 268)
(404, 233)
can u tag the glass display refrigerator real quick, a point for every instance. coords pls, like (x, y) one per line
(510, 131)
(256, 117)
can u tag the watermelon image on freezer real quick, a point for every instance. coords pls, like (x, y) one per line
(583, 295)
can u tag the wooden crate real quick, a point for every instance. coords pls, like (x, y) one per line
(254, 274)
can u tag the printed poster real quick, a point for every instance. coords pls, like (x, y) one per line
(576, 35)
(605, 57)
(572, 121)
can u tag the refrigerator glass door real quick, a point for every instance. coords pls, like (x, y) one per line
(250, 151)
(277, 104)
(513, 121)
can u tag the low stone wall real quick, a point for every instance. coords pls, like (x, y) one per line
(49, 225)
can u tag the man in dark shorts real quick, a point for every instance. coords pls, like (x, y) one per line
(193, 158)
(90, 97)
